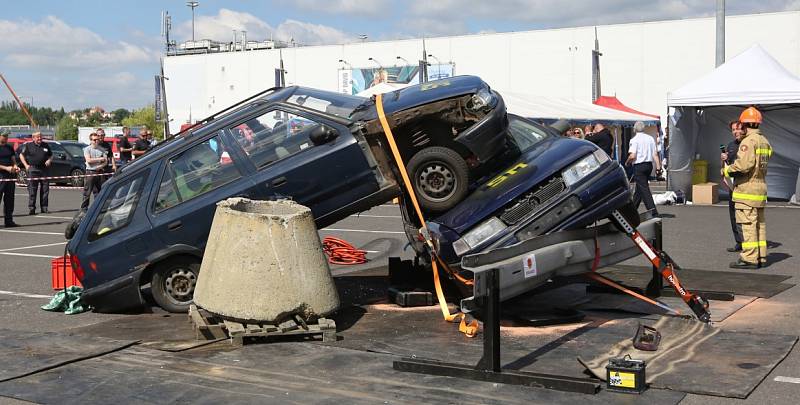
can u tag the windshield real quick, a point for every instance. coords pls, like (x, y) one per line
(525, 133)
(338, 104)
(76, 150)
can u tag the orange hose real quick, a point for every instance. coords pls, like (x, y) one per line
(341, 252)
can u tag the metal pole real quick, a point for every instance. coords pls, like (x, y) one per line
(720, 32)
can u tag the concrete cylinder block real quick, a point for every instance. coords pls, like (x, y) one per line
(264, 262)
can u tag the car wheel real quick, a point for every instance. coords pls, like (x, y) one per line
(76, 181)
(440, 178)
(630, 213)
(22, 177)
(173, 283)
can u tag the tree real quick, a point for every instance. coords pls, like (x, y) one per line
(120, 114)
(67, 128)
(147, 117)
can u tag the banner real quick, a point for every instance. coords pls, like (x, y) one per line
(358, 80)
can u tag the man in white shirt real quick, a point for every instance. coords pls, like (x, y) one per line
(642, 153)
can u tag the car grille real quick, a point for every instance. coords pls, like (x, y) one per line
(525, 205)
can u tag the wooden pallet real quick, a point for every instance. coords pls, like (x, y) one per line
(208, 326)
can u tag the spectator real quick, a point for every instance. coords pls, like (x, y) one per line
(601, 137)
(728, 157)
(96, 162)
(36, 156)
(124, 146)
(109, 151)
(576, 133)
(142, 145)
(642, 154)
(8, 174)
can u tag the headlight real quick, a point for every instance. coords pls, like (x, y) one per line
(481, 100)
(481, 233)
(583, 167)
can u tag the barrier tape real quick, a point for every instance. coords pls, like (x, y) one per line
(57, 177)
(469, 329)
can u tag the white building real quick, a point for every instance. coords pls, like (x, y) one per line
(641, 62)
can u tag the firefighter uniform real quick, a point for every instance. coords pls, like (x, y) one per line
(750, 195)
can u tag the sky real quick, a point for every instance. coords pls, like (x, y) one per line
(81, 53)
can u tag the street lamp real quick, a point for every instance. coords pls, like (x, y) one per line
(376, 61)
(363, 37)
(193, 5)
(342, 61)
(404, 60)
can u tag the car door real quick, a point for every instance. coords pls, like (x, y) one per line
(62, 162)
(324, 177)
(191, 183)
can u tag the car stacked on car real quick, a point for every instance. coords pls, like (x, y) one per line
(484, 179)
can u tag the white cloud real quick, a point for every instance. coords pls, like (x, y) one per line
(51, 42)
(220, 28)
(346, 7)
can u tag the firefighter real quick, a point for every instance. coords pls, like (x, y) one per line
(749, 195)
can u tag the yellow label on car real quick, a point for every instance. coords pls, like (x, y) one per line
(508, 173)
(621, 379)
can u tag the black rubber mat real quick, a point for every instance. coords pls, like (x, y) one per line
(25, 353)
(278, 373)
(753, 284)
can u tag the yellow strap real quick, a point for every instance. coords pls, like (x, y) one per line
(469, 329)
(749, 197)
(725, 171)
(750, 245)
(764, 151)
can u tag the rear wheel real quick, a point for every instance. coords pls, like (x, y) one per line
(76, 181)
(22, 177)
(440, 177)
(173, 283)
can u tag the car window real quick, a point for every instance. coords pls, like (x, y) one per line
(196, 171)
(329, 102)
(56, 148)
(76, 150)
(274, 136)
(118, 207)
(524, 133)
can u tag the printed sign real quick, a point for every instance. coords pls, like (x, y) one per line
(529, 266)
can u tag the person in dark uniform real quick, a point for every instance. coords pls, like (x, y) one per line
(112, 166)
(124, 146)
(602, 137)
(37, 156)
(142, 145)
(8, 173)
(728, 157)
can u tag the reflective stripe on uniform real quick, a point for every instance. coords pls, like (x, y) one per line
(752, 245)
(725, 171)
(764, 151)
(749, 197)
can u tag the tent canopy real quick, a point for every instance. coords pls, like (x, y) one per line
(551, 108)
(614, 103)
(701, 110)
(752, 77)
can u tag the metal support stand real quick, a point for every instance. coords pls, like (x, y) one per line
(656, 284)
(489, 368)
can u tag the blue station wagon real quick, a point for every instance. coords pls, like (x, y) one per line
(484, 179)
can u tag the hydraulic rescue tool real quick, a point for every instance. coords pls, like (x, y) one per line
(664, 265)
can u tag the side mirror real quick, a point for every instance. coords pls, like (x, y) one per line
(322, 134)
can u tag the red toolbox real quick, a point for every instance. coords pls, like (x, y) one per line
(57, 268)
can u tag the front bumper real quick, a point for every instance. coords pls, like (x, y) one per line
(529, 264)
(118, 295)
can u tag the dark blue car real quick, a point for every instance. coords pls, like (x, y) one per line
(150, 223)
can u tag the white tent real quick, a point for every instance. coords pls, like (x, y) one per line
(551, 108)
(701, 110)
(381, 88)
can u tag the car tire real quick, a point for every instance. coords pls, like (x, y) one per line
(76, 181)
(440, 177)
(173, 283)
(22, 177)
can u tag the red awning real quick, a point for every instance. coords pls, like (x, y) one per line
(614, 103)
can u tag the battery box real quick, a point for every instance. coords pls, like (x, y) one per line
(626, 375)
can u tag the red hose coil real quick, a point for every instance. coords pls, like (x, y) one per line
(341, 252)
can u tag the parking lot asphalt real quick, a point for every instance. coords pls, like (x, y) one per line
(695, 236)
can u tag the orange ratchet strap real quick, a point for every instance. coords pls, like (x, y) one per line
(470, 329)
